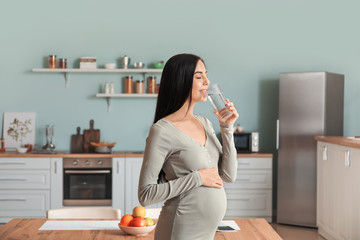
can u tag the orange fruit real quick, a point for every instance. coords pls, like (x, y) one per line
(126, 219)
(139, 212)
(138, 222)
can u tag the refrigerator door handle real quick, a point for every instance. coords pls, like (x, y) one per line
(277, 134)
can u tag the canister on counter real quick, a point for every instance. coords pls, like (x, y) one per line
(152, 84)
(62, 63)
(52, 61)
(139, 86)
(129, 84)
(2, 144)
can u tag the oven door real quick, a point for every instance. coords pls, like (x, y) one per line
(87, 187)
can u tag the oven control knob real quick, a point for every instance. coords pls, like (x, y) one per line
(75, 162)
(87, 162)
(99, 162)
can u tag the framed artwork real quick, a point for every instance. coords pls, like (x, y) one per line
(19, 129)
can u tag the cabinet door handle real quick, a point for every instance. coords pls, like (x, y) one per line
(244, 199)
(325, 153)
(117, 166)
(12, 179)
(12, 199)
(347, 158)
(244, 179)
(277, 133)
(55, 166)
(244, 163)
(13, 163)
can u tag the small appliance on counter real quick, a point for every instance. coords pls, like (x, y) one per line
(246, 142)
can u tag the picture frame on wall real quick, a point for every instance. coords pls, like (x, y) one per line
(18, 129)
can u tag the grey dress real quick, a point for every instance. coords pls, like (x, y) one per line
(190, 211)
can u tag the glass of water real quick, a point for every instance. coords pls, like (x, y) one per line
(218, 101)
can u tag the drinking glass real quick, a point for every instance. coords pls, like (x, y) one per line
(218, 101)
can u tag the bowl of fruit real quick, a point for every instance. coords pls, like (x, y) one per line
(137, 224)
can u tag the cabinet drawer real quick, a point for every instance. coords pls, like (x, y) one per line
(24, 179)
(24, 163)
(24, 203)
(254, 163)
(251, 179)
(247, 203)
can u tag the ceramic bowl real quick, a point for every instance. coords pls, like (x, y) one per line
(159, 65)
(139, 65)
(110, 65)
(137, 231)
(103, 149)
(21, 149)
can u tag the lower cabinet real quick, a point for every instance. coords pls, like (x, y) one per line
(250, 196)
(338, 194)
(24, 188)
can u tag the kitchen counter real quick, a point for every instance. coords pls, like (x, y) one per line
(112, 155)
(344, 141)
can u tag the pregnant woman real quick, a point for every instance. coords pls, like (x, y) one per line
(184, 163)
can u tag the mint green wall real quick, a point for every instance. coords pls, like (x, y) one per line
(245, 44)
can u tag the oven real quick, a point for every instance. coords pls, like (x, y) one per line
(87, 182)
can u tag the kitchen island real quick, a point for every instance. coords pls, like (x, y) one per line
(338, 192)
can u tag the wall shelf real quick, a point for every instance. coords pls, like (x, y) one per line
(123, 95)
(66, 71)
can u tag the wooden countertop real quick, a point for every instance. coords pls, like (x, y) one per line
(344, 141)
(112, 155)
(20, 229)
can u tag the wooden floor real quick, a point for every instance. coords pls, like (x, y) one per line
(287, 232)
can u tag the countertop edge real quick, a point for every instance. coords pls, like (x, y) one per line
(340, 140)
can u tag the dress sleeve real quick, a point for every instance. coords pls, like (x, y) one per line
(228, 161)
(157, 149)
(228, 164)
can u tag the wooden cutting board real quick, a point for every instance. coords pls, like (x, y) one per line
(77, 142)
(91, 135)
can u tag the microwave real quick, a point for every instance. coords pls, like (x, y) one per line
(246, 142)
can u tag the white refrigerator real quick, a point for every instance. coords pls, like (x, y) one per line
(310, 104)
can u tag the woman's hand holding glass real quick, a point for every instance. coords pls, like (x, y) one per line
(230, 107)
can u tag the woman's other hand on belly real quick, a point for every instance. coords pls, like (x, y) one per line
(210, 178)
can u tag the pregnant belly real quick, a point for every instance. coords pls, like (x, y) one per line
(207, 204)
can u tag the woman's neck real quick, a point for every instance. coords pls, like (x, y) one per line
(184, 113)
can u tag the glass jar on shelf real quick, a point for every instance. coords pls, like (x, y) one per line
(152, 84)
(129, 84)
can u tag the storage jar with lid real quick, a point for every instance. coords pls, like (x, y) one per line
(52, 61)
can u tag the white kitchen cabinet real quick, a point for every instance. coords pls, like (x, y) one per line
(118, 184)
(338, 194)
(133, 167)
(56, 186)
(24, 187)
(250, 196)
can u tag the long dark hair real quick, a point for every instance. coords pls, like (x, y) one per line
(175, 84)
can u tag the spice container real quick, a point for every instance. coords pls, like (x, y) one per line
(62, 63)
(157, 87)
(112, 89)
(139, 86)
(52, 61)
(151, 84)
(107, 89)
(2, 144)
(129, 84)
